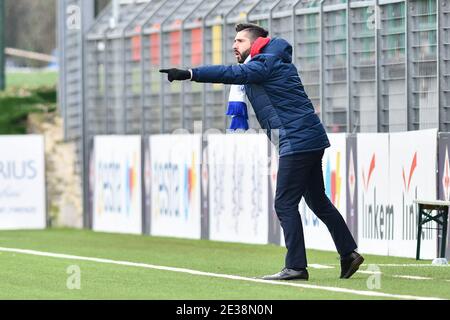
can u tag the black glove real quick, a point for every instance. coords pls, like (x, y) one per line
(176, 74)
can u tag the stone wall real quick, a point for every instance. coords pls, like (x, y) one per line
(64, 192)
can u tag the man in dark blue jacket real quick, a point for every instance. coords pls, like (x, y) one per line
(281, 105)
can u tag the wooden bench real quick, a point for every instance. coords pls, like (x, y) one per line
(425, 210)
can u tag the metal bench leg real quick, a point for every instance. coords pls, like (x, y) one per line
(444, 233)
(419, 233)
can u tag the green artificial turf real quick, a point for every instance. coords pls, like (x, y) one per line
(25, 276)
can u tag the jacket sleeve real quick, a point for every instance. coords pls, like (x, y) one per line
(255, 71)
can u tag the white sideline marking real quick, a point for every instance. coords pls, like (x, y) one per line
(410, 265)
(368, 272)
(411, 277)
(218, 275)
(397, 275)
(405, 265)
(319, 266)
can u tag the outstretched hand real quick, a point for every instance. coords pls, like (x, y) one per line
(176, 74)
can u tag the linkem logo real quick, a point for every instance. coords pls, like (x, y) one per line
(411, 172)
(377, 216)
(366, 180)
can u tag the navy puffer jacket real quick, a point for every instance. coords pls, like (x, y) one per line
(277, 95)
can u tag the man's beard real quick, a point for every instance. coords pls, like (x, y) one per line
(243, 56)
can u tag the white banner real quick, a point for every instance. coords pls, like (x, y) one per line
(22, 182)
(375, 212)
(413, 160)
(238, 187)
(176, 177)
(117, 187)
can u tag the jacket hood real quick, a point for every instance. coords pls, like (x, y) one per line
(280, 48)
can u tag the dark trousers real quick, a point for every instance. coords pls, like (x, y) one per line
(300, 175)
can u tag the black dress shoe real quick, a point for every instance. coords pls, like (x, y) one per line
(289, 274)
(350, 264)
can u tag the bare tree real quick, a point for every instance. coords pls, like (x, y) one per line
(31, 25)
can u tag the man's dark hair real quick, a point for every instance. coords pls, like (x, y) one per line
(254, 30)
